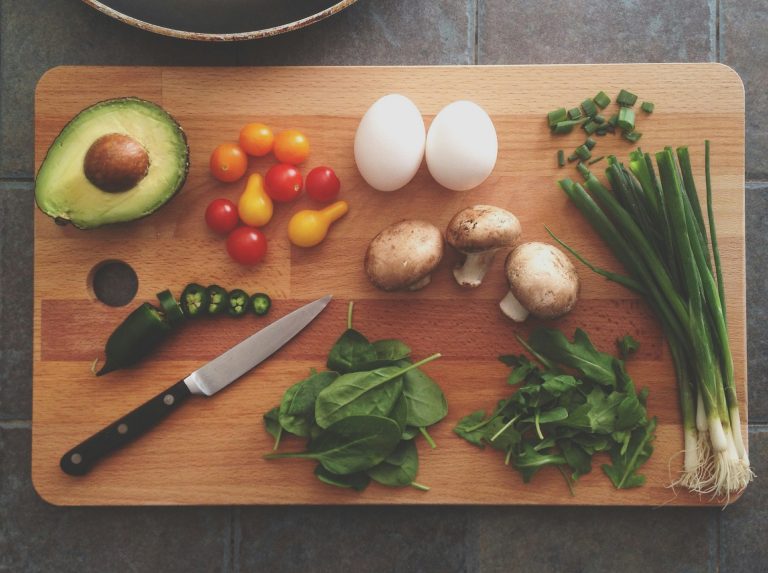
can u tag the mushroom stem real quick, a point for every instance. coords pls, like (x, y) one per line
(512, 308)
(472, 271)
(420, 283)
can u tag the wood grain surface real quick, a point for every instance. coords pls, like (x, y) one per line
(210, 452)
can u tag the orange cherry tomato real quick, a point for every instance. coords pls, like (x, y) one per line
(256, 139)
(228, 162)
(291, 146)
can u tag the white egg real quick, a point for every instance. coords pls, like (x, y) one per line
(389, 142)
(461, 146)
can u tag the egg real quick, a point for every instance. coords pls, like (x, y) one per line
(461, 146)
(389, 142)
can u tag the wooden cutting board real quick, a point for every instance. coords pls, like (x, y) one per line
(210, 452)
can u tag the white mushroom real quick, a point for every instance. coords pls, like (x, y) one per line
(402, 256)
(478, 232)
(542, 282)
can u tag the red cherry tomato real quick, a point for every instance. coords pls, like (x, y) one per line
(322, 184)
(283, 182)
(221, 216)
(247, 245)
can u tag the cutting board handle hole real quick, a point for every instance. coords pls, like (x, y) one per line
(113, 282)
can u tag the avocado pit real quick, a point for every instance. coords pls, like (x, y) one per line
(116, 163)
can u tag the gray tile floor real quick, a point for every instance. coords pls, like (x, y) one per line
(38, 34)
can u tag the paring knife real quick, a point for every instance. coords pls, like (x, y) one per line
(205, 381)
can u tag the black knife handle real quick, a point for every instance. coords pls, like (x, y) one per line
(78, 460)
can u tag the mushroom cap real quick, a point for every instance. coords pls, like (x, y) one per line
(482, 228)
(543, 279)
(403, 254)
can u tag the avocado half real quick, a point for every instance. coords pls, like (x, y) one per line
(115, 161)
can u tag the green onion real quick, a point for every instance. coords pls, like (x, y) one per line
(599, 119)
(574, 113)
(597, 159)
(601, 100)
(589, 107)
(565, 126)
(626, 98)
(655, 227)
(583, 169)
(590, 143)
(626, 120)
(572, 157)
(633, 136)
(613, 120)
(591, 127)
(602, 130)
(582, 152)
(647, 106)
(561, 158)
(556, 116)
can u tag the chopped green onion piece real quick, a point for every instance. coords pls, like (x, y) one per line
(573, 157)
(633, 136)
(626, 119)
(602, 130)
(557, 115)
(583, 169)
(589, 107)
(574, 113)
(561, 158)
(590, 143)
(599, 119)
(626, 99)
(647, 106)
(596, 159)
(582, 152)
(565, 126)
(591, 127)
(601, 100)
(613, 119)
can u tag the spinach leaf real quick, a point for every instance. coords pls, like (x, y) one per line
(297, 409)
(391, 349)
(357, 481)
(351, 352)
(624, 464)
(579, 354)
(359, 393)
(272, 425)
(399, 413)
(400, 467)
(351, 445)
(426, 402)
(410, 432)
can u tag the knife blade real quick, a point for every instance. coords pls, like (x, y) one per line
(205, 381)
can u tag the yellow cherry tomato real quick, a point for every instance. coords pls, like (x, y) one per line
(255, 207)
(308, 228)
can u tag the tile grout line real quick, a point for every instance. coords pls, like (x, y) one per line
(15, 424)
(476, 47)
(718, 45)
(235, 539)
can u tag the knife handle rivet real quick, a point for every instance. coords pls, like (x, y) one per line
(76, 458)
(122, 428)
(168, 399)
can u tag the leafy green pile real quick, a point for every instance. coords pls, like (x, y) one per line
(579, 402)
(361, 416)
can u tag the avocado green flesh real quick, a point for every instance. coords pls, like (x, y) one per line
(62, 189)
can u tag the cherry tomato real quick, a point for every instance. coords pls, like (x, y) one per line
(322, 184)
(291, 146)
(228, 162)
(221, 216)
(256, 139)
(283, 182)
(247, 245)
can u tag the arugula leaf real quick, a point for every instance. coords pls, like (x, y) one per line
(471, 428)
(579, 354)
(576, 457)
(530, 461)
(624, 465)
(627, 346)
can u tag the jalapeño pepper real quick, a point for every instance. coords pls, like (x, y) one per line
(218, 299)
(238, 303)
(260, 303)
(136, 336)
(194, 300)
(170, 307)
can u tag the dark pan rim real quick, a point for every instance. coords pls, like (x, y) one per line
(219, 37)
